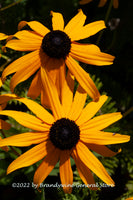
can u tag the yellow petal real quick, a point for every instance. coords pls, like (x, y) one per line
(23, 74)
(4, 125)
(66, 174)
(28, 158)
(1, 82)
(6, 97)
(75, 24)
(28, 36)
(78, 102)
(38, 110)
(84, 172)
(25, 139)
(26, 120)
(21, 63)
(83, 78)
(86, 156)
(102, 150)
(57, 21)
(101, 122)
(90, 54)
(3, 36)
(35, 87)
(47, 165)
(90, 110)
(23, 45)
(60, 79)
(102, 138)
(102, 3)
(36, 26)
(67, 92)
(51, 91)
(88, 30)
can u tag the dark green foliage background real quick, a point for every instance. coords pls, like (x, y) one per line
(116, 81)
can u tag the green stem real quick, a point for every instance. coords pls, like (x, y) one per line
(128, 112)
(10, 5)
(5, 57)
(106, 20)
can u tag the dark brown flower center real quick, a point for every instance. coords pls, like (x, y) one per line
(56, 44)
(64, 134)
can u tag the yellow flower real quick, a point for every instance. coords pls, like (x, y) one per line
(53, 49)
(70, 131)
(101, 3)
(130, 198)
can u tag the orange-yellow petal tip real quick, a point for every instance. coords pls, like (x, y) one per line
(21, 25)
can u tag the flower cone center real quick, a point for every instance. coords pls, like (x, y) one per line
(64, 134)
(56, 44)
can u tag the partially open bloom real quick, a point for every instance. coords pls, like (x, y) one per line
(53, 49)
(101, 3)
(67, 132)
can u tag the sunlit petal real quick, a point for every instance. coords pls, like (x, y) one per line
(36, 26)
(27, 120)
(101, 122)
(47, 165)
(103, 138)
(84, 172)
(51, 91)
(21, 63)
(57, 21)
(28, 158)
(78, 102)
(24, 139)
(92, 163)
(75, 24)
(83, 78)
(66, 174)
(90, 54)
(90, 110)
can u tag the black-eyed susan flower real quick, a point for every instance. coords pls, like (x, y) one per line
(53, 49)
(101, 3)
(70, 131)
